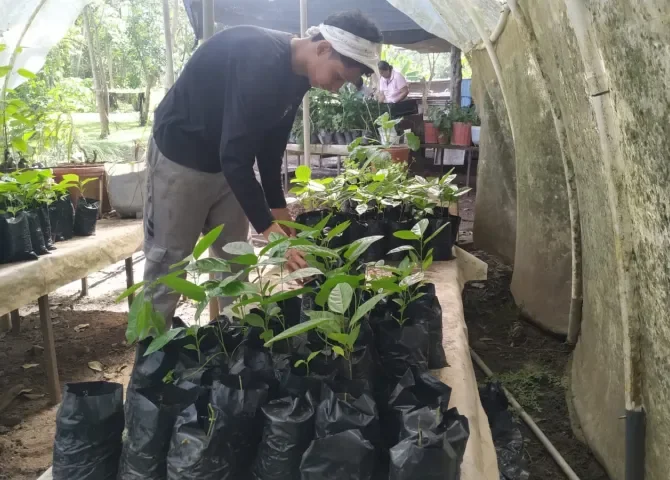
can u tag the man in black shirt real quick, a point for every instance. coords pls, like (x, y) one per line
(233, 105)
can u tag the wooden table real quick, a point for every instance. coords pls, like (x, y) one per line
(440, 148)
(23, 283)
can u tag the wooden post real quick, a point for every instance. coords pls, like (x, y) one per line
(130, 281)
(169, 70)
(306, 122)
(50, 363)
(16, 322)
(456, 76)
(5, 323)
(207, 19)
(84, 287)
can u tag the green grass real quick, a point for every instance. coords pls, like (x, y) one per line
(528, 383)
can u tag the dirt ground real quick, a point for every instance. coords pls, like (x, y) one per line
(91, 329)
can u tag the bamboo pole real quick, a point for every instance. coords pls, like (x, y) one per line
(306, 123)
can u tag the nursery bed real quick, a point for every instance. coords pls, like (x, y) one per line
(479, 462)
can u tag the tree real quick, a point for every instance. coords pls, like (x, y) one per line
(99, 84)
(456, 76)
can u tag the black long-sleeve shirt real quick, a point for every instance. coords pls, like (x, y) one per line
(234, 103)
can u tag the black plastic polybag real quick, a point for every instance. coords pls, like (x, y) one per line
(45, 224)
(89, 424)
(295, 381)
(393, 242)
(15, 243)
(455, 221)
(507, 437)
(401, 347)
(288, 431)
(347, 406)
(195, 448)
(86, 217)
(36, 234)
(312, 218)
(61, 215)
(259, 364)
(427, 310)
(342, 456)
(424, 456)
(150, 417)
(368, 228)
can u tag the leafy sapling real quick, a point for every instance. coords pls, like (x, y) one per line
(423, 257)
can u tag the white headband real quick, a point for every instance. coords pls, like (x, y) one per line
(349, 45)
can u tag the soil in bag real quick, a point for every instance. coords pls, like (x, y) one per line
(150, 417)
(15, 243)
(342, 456)
(89, 424)
(61, 215)
(401, 347)
(288, 431)
(86, 217)
(36, 234)
(427, 310)
(45, 224)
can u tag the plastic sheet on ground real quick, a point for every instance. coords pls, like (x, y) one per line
(24, 282)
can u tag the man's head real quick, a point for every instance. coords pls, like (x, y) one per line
(385, 69)
(328, 69)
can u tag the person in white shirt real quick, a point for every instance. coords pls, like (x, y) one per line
(392, 85)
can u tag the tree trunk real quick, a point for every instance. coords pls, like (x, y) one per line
(110, 66)
(98, 82)
(175, 23)
(169, 71)
(456, 76)
(144, 109)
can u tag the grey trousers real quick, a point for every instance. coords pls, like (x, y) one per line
(181, 203)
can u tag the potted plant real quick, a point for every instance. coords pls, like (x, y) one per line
(461, 120)
(86, 209)
(431, 127)
(476, 127)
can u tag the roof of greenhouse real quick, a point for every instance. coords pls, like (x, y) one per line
(284, 15)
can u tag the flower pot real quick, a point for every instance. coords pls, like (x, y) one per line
(340, 139)
(476, 131)
(443, 138)
(125, 183)
(393, 137)
(461, 134)
(399, 153)
(430, 133)
(96, 190)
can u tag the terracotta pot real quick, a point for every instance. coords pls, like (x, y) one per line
(96, 190)
(399, 153)
(430, 133)
(443, 139)
(461, 134)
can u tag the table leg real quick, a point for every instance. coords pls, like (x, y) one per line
(84, 287)
(130, 281)
(50, 364)
(5, 323)
(16, 322)
(467, 178)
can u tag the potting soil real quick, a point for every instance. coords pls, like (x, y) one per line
(86, 217)
(89, 424)
(15, 241)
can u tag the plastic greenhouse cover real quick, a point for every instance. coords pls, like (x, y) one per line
(49, 25)
(448, 19)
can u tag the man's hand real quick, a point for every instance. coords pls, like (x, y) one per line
(283, 214)
(296, 259)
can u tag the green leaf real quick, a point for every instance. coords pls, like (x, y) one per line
(322, 224)
(361, 208)
(301, 274)
(209, 265)
(201, 308)
(332, 317)
(132, 330)
(162, 340)
(186, 288)
(190, 346)
(353, 336)
(254, 320)
(337, 230)
(340, 298)
(26, 73)
(420, 228)
(327, 287)
(366, 308)
(266, 335)
(386, 284)
(3, 47)
(412, 279)
(413, 142)
(313, 355)
(322, 252)
(404, 248)
(406, 235)
(298, 226)
(248, 259)
(207, 241)
(338, 350)
(299, 363)
(286, 295)
(360, 246)
(341, 338)
(436, 233)
(316, 186)
(427, 262)
(239, 248)
(20, 144)
(273, 244)
(303, 173)
(129, 292)
(298, 330)
(4, 70)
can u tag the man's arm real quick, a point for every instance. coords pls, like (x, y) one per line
(402, 86)
(270, 160)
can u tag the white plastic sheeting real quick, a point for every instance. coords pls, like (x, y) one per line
(448, 19)
(48, 26)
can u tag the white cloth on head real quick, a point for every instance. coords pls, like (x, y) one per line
(349, 45)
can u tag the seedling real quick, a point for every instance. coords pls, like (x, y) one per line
(423, 258)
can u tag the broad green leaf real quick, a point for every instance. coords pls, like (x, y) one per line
(298, 330)
(209, 265)
(298, 226)
(303, 173)
(320, 315)
(239, 248)
(129, 292)
(4, 70)
(186, 288)
(353, 335)
(337, 230)
(301, 274)
(274, 242)
(341, 338)
(413, 142)
(201, 308)
(281, 296)
(427, 262)
(26, 73)
(406, 235)
(327, 287)
(420, 228)
(266, 335)
(386, 284)
(322, 252)
(132, 331)
(412, 279)
(205, 242)
(322, 224)
(436, 233)
(248, 259)
(338, 350)
(162, 340)
(360, 246)
(366, 308)
(404, 248)
(254, 320)
(316, 186)
(190, 346)
(313, 355)
(340, 298)
(20, 144)
(361, 208)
